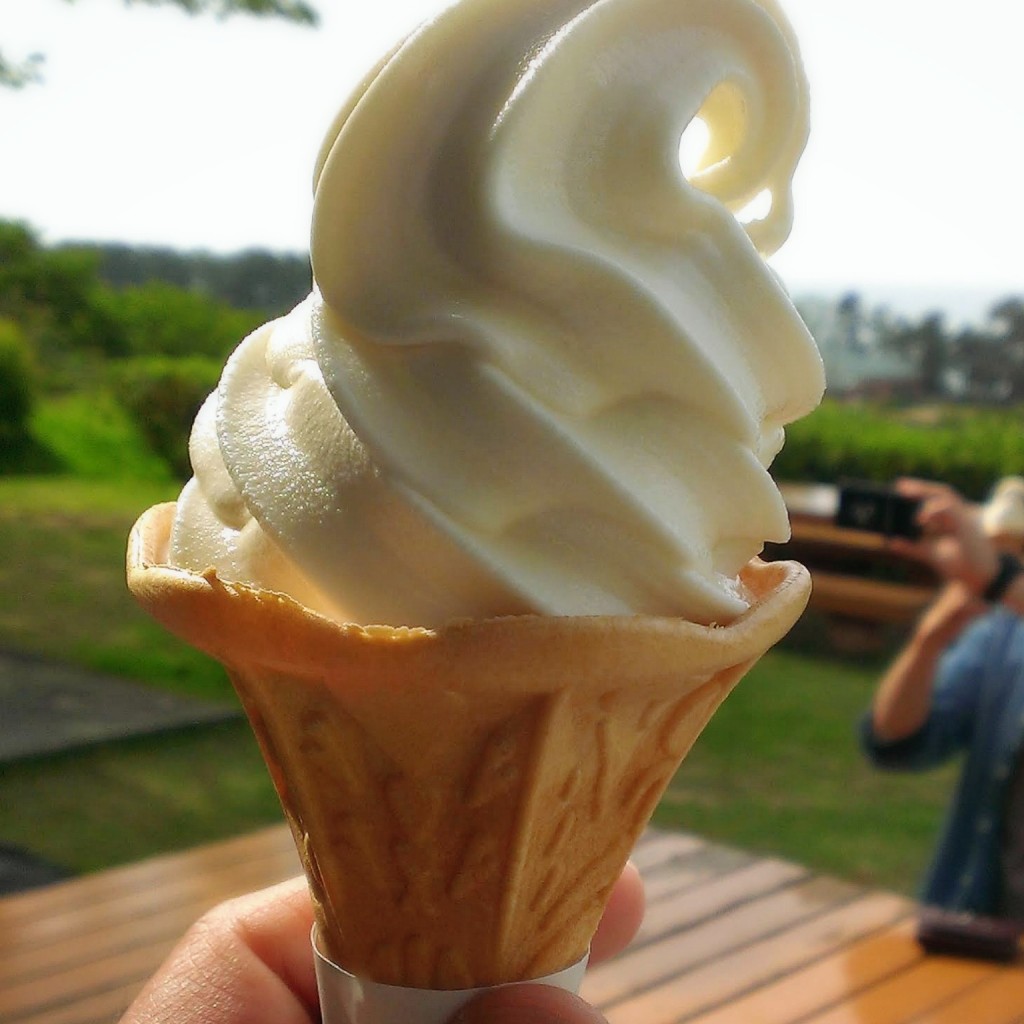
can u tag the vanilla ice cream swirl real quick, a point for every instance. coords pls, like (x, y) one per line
(542, 369)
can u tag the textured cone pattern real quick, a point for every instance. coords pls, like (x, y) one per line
(464, 799)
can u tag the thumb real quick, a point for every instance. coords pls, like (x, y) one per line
(527, 1004)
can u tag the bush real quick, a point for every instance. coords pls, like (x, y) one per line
(163, 396)
(969, 448)
(91, 436)
(158, 319)
(17, 383)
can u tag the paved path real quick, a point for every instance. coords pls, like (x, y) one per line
(48, 708)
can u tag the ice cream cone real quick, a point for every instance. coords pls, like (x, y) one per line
(463, 799)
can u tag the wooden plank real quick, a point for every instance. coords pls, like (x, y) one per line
(657, 962)
(877, 600)
(140, 876)
(926, 985)
(999, 999)
(728, 939)
(91, 940)
(197, 889)
(62, 941)
(125, 971)
(823, 533)
(687, 908)
(729, 976)
(704, 863)
(656, 849)
(793, 995)
(93, 1008)
(80, 950)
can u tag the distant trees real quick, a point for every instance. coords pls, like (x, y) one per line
(926, 345)
(56, 298)
(155, 346)
(15, 74)
(150, 328)
(255, 279)
(982, 363)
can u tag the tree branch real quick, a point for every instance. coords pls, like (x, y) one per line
(296, 11)
(17, 75)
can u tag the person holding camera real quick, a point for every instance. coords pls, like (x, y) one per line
(958, 686)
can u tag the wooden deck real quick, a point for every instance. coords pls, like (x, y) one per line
(728, 939)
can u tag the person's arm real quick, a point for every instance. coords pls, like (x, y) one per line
(957, 547)
(903, 699)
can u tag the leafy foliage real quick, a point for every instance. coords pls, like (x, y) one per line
(17, 383)
(56, 299)
(289, 10)
(17, 74)
(159, 347)
(159, 319)
(164, 395)
(89, 435)
(969, 448)
(255, 279)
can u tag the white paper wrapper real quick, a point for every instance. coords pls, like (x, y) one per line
(345, 999)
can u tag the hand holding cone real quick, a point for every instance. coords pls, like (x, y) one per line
(463, 799)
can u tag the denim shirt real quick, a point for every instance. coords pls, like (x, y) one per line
(977, 707)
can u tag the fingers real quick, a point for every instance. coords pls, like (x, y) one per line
(911, 487)
(543, 1004)
(248, 960)
(622, 916)
(528, 1004)
(276, 925)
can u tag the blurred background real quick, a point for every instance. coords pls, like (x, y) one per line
(154, 205)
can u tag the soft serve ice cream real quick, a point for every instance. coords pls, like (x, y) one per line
(541, 369)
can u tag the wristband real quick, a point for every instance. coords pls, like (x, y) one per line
(1010, 568)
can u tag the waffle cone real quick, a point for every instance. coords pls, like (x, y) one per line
(463, 799)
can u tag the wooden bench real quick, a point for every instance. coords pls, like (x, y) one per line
(729, 938)
(856, 575)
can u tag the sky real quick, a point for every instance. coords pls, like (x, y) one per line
(153, 127)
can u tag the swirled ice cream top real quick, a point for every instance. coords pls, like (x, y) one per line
(542, 368)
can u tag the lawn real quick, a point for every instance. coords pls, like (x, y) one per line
(62, 590)
(776, 771)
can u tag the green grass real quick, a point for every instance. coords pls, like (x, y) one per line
(122, 801)
(62, 589)
(778, 770)
(91, 436)
(63, 596)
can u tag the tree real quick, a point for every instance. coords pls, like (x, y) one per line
(1007, 319)
(17, 383)
(163, 396)
(56, 298)
(928, 347)
(157, 319)
(14, 75)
